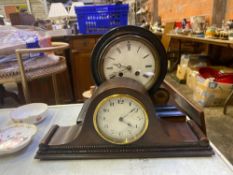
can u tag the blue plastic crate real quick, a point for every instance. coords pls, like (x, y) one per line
(99, 19)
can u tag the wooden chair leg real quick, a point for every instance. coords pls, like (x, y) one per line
(23, 78)
(55, 88)
(26, 91)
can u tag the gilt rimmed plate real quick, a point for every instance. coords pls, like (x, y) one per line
(16, 137)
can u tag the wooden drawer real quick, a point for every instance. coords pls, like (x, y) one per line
(83, 44)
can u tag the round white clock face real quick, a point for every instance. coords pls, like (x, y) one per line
(131, 57)
(120, 119)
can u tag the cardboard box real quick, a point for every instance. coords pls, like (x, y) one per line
(207, 92)
(187, 63)
(191, 77)
(181, 72)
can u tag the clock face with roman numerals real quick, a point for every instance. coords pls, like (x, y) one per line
(125, 126)
(130, 52)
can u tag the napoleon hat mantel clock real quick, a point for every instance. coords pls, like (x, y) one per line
(119, 120)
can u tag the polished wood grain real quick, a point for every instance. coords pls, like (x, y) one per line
(82, 77)
(163, 138)
(83, 44)
(81, 48)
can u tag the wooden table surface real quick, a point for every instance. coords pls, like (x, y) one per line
(24, 163)
(218, 42)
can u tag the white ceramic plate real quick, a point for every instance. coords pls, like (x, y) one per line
(31, 113)
(15, 137)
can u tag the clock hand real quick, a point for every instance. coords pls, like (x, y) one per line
(114, 74)
(129, 124)
(122, 118)
(119, 65)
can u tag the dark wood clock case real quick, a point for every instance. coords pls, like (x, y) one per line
(163, 138)
(124, 31)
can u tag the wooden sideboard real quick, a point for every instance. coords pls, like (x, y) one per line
(79, 62)
(81, 48)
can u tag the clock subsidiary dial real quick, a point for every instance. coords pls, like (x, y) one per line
(120, 119)
(131, 52)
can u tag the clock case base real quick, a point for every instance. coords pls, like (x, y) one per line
(165, 137)
(69, 151)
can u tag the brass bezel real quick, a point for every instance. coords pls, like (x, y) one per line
(135, 38)
(106, 138)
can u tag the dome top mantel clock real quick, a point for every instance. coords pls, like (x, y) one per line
(131, 52)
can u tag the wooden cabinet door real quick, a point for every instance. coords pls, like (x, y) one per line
(82, 78)
(81, 48)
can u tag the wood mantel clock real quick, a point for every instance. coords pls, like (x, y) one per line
(119, 120)
(131, 52)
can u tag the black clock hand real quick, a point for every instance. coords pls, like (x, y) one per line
(114, 74)
(119, 65)
(123, 121)
(122, 118)
(127, 68)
